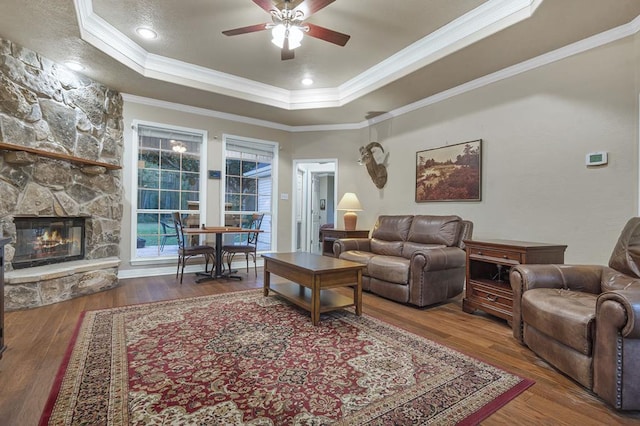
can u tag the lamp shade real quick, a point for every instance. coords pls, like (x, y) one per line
(351, 204)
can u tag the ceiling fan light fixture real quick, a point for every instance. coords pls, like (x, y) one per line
(280, 32)
(295, 37)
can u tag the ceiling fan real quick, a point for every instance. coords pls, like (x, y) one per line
(288, 26)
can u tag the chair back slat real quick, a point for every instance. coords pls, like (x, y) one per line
(256, 223)
(177, 223)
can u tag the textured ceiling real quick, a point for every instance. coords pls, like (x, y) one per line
(190, 32)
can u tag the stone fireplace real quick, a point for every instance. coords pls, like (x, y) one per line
(71, 130)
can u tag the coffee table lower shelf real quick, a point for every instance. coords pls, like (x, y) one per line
(330, 300)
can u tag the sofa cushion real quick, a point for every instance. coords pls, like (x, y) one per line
(566, 316)
(435, 230)
(387, 248)
(358, 256)
(392, 228)
(409, 248)
(389, 268)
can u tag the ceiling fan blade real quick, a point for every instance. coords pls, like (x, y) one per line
(266, 5)
(245, 30)
(327, 35)
(289, 4)
(286, 53)
(309, 7)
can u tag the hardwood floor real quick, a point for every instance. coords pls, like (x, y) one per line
(37, 340)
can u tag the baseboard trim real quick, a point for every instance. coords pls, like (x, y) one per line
(171, 270)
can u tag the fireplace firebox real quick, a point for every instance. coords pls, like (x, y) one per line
(46, 240)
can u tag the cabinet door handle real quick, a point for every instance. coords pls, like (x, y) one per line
(505, 257)
(492, 298)
(479, 253)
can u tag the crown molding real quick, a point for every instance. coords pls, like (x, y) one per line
(489, 18)
(204, 112)
(593, 42)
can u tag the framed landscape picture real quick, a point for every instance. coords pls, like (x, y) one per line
(449, 173)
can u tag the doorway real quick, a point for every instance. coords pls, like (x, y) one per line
(314, 202)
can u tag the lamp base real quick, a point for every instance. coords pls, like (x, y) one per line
(350, 220)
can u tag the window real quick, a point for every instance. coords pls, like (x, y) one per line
(169, 179)
(249, 187)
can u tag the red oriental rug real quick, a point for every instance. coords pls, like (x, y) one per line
(245, 359)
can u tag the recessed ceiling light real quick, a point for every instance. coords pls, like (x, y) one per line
(75, 66)
(307, 81)
(147, 33)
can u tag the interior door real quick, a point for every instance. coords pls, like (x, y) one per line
(298, 203)
(314, 215)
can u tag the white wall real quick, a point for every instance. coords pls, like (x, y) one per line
(536, 129)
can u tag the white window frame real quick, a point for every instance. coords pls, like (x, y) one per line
(274, 181)
(135, 260)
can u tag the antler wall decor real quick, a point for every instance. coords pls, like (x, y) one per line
(377, 170)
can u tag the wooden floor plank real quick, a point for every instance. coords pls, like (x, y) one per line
(38, 338)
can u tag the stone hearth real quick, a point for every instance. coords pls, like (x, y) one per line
(44, 285)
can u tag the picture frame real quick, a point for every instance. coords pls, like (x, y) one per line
(450, 173)
(323, 204)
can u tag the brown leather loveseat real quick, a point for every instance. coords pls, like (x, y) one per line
(411, 259)
(585, 320)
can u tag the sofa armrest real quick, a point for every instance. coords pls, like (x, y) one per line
(437, 259)
(616, 365)
(346, 244)
(436, 275)
(627, 319)
(527, 277)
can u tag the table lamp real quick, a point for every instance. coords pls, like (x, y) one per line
(350, 204)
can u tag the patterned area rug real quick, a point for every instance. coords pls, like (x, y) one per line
(243, 359)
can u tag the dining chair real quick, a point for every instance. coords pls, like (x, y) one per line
(249, 248)
(186, 251)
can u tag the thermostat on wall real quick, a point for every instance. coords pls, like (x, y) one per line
(596, 158)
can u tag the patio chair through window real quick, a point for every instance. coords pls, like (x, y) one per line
(168, 231)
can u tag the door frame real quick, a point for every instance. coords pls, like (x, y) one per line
(301, 196)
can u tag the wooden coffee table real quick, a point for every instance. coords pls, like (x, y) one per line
(313, 278)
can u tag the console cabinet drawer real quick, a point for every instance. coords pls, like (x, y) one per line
(491, 294)
(494, 255)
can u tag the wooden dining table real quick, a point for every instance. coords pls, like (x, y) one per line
(216, 271)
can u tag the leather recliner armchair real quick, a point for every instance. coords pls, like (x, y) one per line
(418, 260)
(585, 320)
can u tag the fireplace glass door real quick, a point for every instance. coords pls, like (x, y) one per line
(46, 240)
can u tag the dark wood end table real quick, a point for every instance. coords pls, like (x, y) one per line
(488, 265)
(329, 235)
